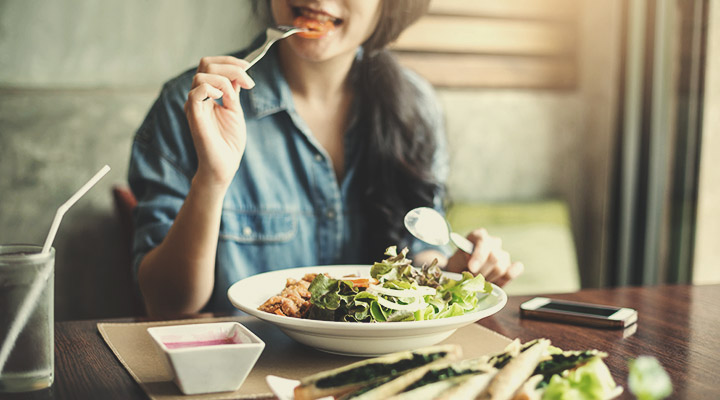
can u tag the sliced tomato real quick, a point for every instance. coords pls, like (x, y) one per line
(316, 29)
(360, 282)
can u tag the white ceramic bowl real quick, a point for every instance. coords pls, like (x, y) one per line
(353, 338)
(207, 358)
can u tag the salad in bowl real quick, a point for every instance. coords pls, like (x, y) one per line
(395, 291)
(367, 310)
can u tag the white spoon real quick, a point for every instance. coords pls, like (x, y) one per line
(431, 227)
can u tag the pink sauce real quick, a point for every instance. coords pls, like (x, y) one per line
(200, 343)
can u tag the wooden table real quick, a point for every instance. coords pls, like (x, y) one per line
(679, 325)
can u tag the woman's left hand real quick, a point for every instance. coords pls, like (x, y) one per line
(488, 258)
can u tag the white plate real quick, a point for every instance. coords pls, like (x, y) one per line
(353, 338)
(284, 389)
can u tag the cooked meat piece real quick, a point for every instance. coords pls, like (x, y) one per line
(293, 301)
(271, 305)
(294, 309)
(309, 278)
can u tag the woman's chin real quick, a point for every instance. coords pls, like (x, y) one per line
(316, 50)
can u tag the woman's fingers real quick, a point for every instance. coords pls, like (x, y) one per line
(236, 74)
(201, 92)
(512, 272)
(218, 128)
(485, 245)
(205, 62)
(490, 260)
(225, 73)
(230, 67)
(480, 254)
(497, 264)
(229, 93)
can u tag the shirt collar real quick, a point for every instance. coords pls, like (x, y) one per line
(271, 93)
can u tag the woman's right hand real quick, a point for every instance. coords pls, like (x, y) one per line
(218, 131)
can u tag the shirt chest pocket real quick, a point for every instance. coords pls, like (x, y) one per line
(258, 226)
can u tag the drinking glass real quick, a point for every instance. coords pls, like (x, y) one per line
(30, 361)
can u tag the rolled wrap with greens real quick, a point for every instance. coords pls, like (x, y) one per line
(339, 381)
(534, 370)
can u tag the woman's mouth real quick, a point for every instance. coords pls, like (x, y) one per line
(319, 16)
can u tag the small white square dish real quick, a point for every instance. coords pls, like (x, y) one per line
(210, 357)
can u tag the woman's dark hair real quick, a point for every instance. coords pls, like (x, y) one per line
(397, 136)
(397, 133)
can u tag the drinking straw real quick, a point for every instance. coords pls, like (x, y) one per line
(63, 208)
(29, 303)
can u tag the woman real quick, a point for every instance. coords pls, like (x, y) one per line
(311, 157)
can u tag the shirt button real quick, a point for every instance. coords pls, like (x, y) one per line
(318, 157)
(330, 214)
(247, 231)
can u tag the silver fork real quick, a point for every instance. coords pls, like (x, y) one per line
(273, 34)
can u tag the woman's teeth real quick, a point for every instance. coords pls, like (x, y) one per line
(318, 16)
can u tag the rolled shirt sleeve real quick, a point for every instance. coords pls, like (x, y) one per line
(161, 168)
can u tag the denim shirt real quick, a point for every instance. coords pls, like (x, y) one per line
(285, 207)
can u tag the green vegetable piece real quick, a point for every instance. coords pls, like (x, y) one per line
(435, 375)
(500, 360)
(453, 311)
(564, 361)
(327, 294)
(581, 387)
(590, 381)
(648, 380)
(397, 316)
(425, 313)
(377, 312)
(321, 314)
(372, 371)
(339, 300)
(395, 267)
(324, 292)
(360, 310)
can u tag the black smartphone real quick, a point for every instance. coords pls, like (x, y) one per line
(572, 312)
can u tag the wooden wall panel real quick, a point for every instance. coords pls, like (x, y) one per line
(518, 9)
(493, 43)
(488, 36)
(479, 71)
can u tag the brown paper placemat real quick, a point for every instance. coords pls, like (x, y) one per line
(282, 356)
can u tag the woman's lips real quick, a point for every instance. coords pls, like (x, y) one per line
(319, 16)
(314, 28)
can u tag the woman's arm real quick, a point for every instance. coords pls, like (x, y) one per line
(177, 276)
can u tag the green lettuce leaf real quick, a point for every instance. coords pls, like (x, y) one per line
(464, 292)
(397, 316)
(324, 292)
(338, 300)
(452, 311)
(377, 312)
(360, 310)
(648, 380)
(395, 267)
(564, 360)
(592, 381)
(331, 298)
